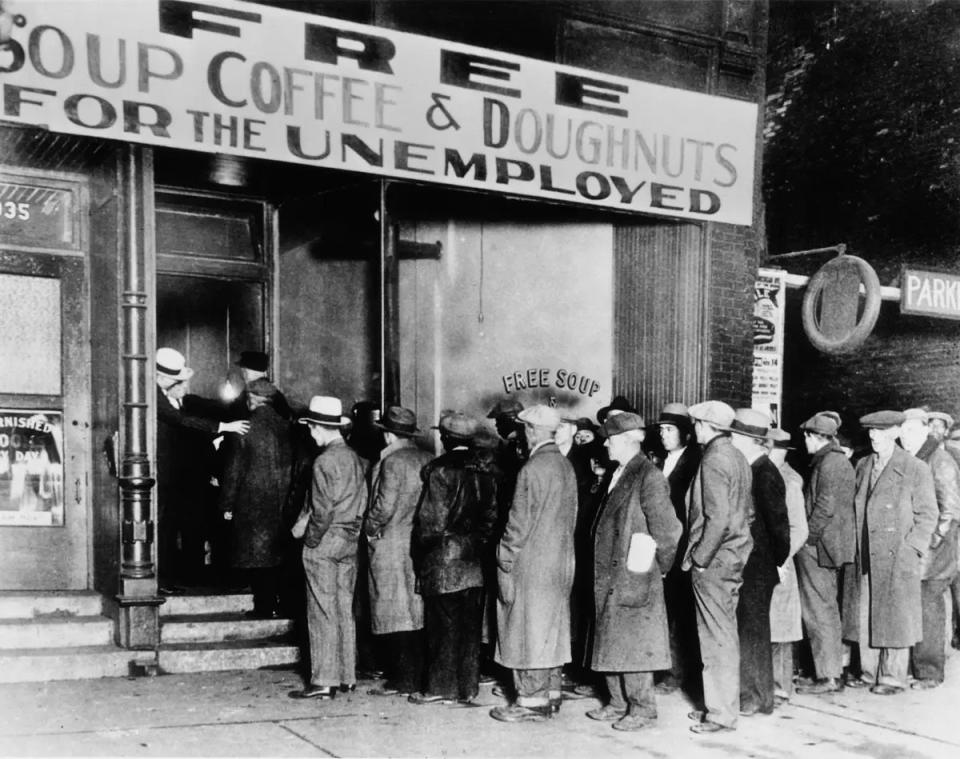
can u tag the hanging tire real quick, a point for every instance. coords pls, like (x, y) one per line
(871, 309)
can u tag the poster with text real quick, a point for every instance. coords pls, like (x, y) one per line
(31, 468)
(768, 312)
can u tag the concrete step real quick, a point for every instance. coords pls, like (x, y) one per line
(75, 663)
(18, 604)
(55, 632)
(226, 655)
(223, 603)
(197, 628)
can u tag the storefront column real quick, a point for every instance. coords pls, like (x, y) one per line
(138, 599)
(389, 305)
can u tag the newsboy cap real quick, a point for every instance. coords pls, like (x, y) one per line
(505, 407)
(459, 425)
(751, 423)
(942, 416)
(822, 423)
(540, 416)
(617, 424)
(881, 420)
(915, 414)
(717, 413)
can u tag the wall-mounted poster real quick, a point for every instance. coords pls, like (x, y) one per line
(31, 468)
(768, 313)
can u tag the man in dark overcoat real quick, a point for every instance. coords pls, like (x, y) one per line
(770, 530)
(396, 608)
(631, 637)
(940, 567)
(720, 509)
(253, 487)
(896, 510)
(831, 543)
(535, 564)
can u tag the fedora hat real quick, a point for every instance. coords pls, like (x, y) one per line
(256, 361)
(399, 421)
(676, 414)
(505, 407)
(618, 403)
(325, 411)
(620, 423)
(751, 423)
(172, 364)
(716, 413)
(780, 439)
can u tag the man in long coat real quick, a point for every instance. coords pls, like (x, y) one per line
(929, 654)
(896, 509)
(535, 564)
(396, 609)
(631, 636)
(720, 512)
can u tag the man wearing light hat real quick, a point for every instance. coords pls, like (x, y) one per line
(720, 509)
(535, 566)
(831, 544)
(631, 636)
(940, 567)
(185, 434)
(896, 511)
(333, 511)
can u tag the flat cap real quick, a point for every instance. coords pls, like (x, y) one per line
(915, 414)
(717, 413)
(540, 416)
(459, 425)
(942, 416)
(822, 423)
(881, 420)
(780, 439)
(750, 422)
(617, 424)
(505, 407)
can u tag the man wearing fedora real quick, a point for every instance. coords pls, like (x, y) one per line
(631, 636)
(830, 546)
(451, 530)
(770, 530)
(333, 515)
(535, 566)
(720, 509)
(185, 432)
(940, 567)
(896, 513)
(396, 609)
(680, 464)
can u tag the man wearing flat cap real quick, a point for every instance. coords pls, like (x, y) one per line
(451, 530)
(396, 609)
(896, 512)
(928, 656)
(831, 544)
(720, 510)
(631, 636)
(770, 530)
(535, 566)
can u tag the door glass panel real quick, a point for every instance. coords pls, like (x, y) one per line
(31, 467)
(30, 339)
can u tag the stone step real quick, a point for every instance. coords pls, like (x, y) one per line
(226, 655)
(223, 603)
(55, 632)
(197, 628)
(75, 663)
(19, 604)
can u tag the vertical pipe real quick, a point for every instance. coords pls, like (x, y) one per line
(389, 305)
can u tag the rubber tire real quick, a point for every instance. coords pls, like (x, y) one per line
(871, 309)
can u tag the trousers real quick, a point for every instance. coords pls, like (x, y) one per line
(820, 610)
(756, 651)
(330, 624)
(632, 692)
(452, 624)
(716, 591)
(928, 656)
(535, 687)
(881, 666)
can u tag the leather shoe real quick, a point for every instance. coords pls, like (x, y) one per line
(606, 714)
(710, 727)
(748, 710)
(696, 715)
(883, 689)
(429, 698)
(924, 683)
(517, 713)
(386, 690)
(555, 705)
(826, 685)
(850, 681)
(632, 722)
(319, 692)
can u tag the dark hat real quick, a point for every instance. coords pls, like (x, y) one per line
(677, 415)
(751, 423)
(822, 423)
(622, 422)
(581, 423)
(399, 421)
(619, 403)
(325, 411)
(263, 388)
(780, 439)
(254, 360)
(459, 425)
(505, 407)
(881, 420)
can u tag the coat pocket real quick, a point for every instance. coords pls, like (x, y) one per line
(634, 588)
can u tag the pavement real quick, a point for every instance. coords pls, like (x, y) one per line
(249, 713)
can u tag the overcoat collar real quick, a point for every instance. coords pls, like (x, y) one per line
(398, 444)
(894, 470)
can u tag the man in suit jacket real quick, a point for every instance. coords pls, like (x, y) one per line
(831, 543)
(631, 637)
(896, 510)
(720, 510)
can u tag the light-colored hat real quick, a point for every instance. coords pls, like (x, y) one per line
(717, 413)
(751, 422)
(459, 425)
(325, 411)
(540, 416)
(780, 439)
(172, 364)
(915, 414)
(677, 415)
(942, 416)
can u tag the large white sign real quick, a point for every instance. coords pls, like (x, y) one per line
(769, 307)
(230, 77)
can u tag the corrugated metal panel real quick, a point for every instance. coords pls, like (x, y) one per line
(660, 292)
(41, 149)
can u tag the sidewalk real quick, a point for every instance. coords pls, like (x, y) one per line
(249, 714)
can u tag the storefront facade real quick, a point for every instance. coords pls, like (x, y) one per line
(559, 212)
